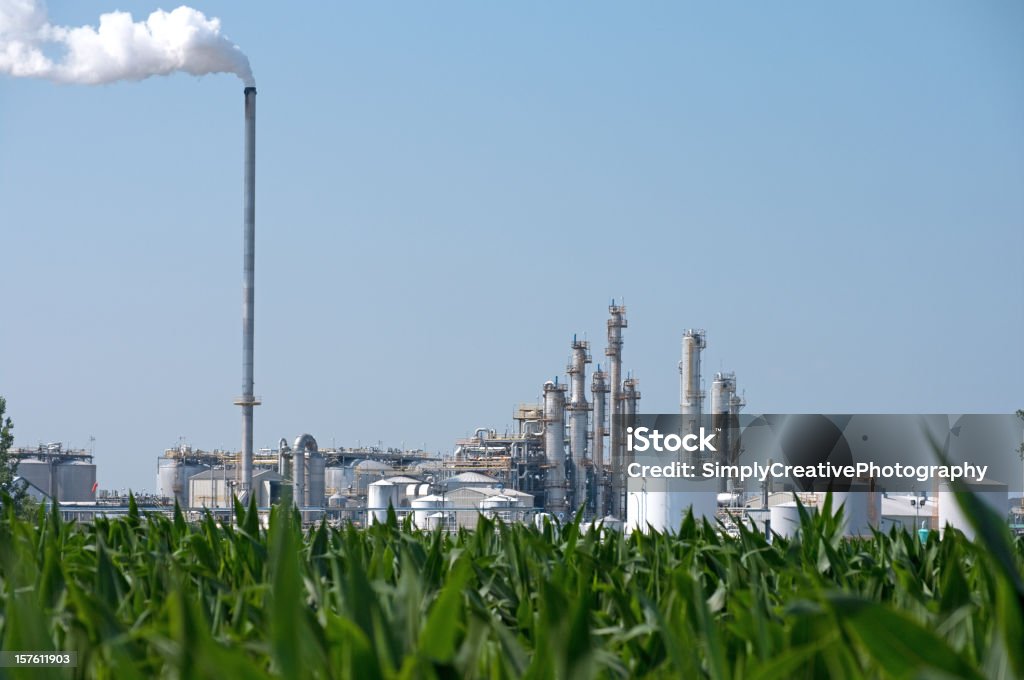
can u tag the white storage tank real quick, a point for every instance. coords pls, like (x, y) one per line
(428, 511)
(993, 494)
(172, 479)
(862, 510)
(380, 495)
(785, 519)
(664, 510)
(338, 479)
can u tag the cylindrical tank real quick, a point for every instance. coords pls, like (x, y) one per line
(554, 448)
(75, 481)
(172, 479)
(498, 506)
(336, 501)
(426, 509)
(38, 473)
(862, 509)
(338, 479)
(380, 495)
(315, 480)
(785, 518)
(993, 494)
(366, 472)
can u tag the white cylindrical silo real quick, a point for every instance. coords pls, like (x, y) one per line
(995, 495)
(380, 495)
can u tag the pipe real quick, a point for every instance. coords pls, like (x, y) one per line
(247, 400)
(283, 451)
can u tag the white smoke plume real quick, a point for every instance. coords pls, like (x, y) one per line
(119, 49)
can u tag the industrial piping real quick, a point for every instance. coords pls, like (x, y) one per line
(247, 401)
(303, 443)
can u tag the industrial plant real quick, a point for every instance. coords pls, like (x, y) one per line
(564, 458)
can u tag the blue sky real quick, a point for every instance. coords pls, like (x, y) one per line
(447, 192)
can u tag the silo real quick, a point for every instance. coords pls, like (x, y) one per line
(172, 478)
(993, 494)
(337, 479)
(75, 481)
(426, 510)
(38, 473)
(380, 495)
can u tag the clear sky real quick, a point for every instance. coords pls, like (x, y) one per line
(448, 191)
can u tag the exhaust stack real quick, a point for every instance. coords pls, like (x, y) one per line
(247, 401)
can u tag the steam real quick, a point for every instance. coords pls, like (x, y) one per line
(119, 49)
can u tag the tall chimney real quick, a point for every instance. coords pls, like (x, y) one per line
(247, 401)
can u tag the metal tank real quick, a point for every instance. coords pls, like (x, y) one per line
(579, 411)
(428, 511)
(338, 479)
(380, 495)
(75, 481)
(172, 479)
(613, 351)
(316, 468)
(554, 448)
(38, 473)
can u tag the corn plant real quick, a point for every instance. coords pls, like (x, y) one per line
(158, 597)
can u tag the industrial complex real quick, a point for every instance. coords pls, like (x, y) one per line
(564, 458)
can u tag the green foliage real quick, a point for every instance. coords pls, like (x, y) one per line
(152, 596)
(10, 495)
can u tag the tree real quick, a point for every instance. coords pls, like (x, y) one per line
(8, 464)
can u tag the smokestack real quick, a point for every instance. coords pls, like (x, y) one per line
(248, 400)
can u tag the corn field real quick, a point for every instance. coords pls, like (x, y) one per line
(156, 597)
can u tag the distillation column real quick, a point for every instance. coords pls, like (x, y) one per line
(616, 323)
(578, 414)
(723, 388)
(691, 396)
(599, 391)
(554, 449)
